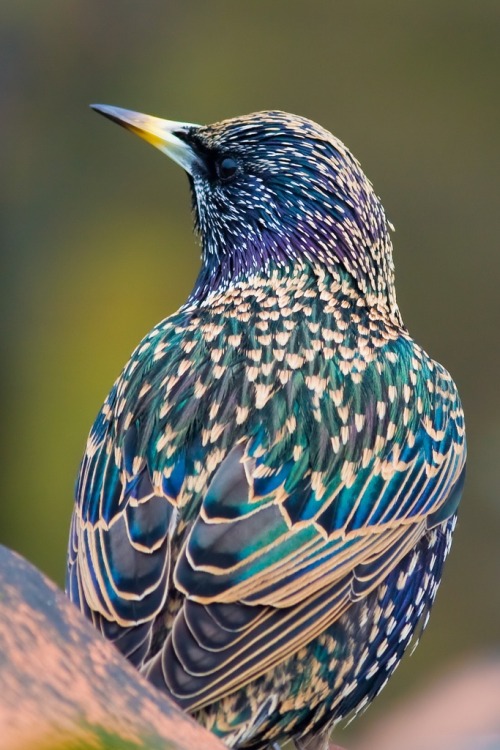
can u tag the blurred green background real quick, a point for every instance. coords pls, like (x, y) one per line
(96, 232)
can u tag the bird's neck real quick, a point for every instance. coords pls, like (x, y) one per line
(233, 269)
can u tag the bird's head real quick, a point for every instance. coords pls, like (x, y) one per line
(273, 190)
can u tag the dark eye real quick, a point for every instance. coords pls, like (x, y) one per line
(226, 168)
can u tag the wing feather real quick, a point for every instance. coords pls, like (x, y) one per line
(274, 529)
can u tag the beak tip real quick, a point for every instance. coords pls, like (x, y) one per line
(112, 113)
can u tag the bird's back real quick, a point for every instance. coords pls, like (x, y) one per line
(266, 501)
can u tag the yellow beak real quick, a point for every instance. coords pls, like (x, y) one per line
(166, 135)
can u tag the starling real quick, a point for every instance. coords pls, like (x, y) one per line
(269, 492)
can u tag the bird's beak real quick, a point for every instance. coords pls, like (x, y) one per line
(165, 135)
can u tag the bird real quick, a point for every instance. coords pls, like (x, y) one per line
(270, 490)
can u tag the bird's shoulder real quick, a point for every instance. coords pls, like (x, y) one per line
(299, 369)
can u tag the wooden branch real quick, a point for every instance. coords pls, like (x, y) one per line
(64, 686)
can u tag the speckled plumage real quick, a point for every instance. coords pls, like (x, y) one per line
(269, 491)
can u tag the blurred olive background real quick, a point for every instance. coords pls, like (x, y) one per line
(96, 235)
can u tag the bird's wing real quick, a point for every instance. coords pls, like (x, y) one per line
(260, 540)
(295, 525)
(270, 563)
(119, 547)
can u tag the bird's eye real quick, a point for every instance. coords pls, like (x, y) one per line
(226, 168)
